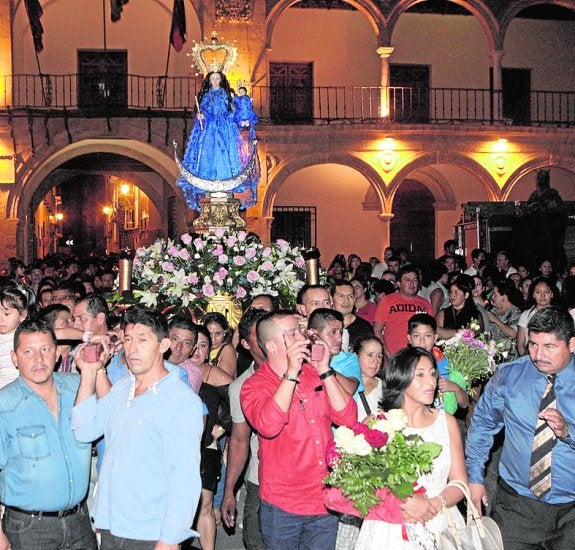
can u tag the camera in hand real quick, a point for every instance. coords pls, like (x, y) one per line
(92, 352)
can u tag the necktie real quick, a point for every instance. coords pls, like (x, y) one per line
(543, 443)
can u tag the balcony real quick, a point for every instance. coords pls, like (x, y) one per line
(133, 95)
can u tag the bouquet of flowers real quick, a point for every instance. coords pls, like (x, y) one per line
(375, 466)
(190, 272)
(472, 354)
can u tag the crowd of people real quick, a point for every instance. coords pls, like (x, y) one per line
(127, 429)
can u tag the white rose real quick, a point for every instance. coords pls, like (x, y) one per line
(343, 438)
(397, 419)
(359, 446)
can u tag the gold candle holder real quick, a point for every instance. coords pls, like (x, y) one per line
(126, 265)
(311, 257)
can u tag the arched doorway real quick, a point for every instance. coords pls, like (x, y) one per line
(413, 223)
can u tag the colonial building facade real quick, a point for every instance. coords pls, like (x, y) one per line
(378, 119)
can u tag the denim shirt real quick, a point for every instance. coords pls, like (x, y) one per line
(42, 466)
(149, 484)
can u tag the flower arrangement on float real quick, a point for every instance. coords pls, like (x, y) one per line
(191, 272)
(375, 466)
(473, 355)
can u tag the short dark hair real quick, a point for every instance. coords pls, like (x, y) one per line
(184, 323)
(95, 304)
(323, 315)
(33, 326)
(553, 320)
(303, 290)
(398, 374)
(274, 300)
(408, 268)
(264, 323)
(476, 252)
(421, 319)
(140, 315)
(339, 282)
(248, 320)
(50, 313)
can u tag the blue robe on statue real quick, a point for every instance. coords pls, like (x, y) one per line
(218, 151)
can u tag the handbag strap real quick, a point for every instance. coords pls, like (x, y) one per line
(365, 403)
(473, 516)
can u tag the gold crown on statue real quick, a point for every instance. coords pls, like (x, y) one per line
(213, 56)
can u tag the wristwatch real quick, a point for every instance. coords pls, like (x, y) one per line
(291, 378)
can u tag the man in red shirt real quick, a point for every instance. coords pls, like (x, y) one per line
(292, 402)
(395, 310)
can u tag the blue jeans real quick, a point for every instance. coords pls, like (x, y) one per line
(112, 542)
(284, 531)
(27, 532)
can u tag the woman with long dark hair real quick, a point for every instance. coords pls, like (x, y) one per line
(409, 383)
(461, 311)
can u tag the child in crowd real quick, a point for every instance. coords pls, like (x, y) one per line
(13, 310)
(422, 333)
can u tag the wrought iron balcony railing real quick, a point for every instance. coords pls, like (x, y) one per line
(106, 94)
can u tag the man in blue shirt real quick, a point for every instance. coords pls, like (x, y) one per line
(149, 484)
(512, 400)
(44, 471)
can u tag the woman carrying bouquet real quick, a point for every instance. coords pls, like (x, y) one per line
(409, 383)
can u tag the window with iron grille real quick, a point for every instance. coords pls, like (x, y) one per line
(295, 224)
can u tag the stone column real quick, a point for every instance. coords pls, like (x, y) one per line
(384, 53)
(497, 97)
(385, 231)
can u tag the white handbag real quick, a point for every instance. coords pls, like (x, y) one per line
(480, 533)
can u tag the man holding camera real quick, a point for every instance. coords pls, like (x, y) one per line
(292, 401)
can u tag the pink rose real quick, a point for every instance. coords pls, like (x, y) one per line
(360, 428)
(173, 251)
(266, 252)
(198, 243)
(230, 241)
(184, 254)
(332, 456)
(186, 238)
(376, 438)
(193, 280)
(267, 266)
(218, 250)
(250, 253)
(168, 266)
(300, 262)
(239, 260)
(208, 291)
(222, 272)
(219, 233)
(253, 276)
(223, 259)
(283, 245)
(242, 236)
(241, 292)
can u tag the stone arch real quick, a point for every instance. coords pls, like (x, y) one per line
(536, 163)
(441, 187)
(25, 193)
(479, 10)
(287, 167)
(518, 6)
(368, 8)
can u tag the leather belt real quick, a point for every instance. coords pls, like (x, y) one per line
(39, 513)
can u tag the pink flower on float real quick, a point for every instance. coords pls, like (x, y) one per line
(252, 276)
(266, 252)
(208, 291)
(198, 243)
(467, 335)
(231, 240)
(283, 244)
(250, 253)
(193, 280)
(218, 250)
(173, 251)
(242, 236)
(332, 456)
(267, 266)
(186, 238)
(223, 259)
(241, 292)
(184, 254)
(222, 272)
(168, 266)
(239, 260)
(219, 233)
(300, 262)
